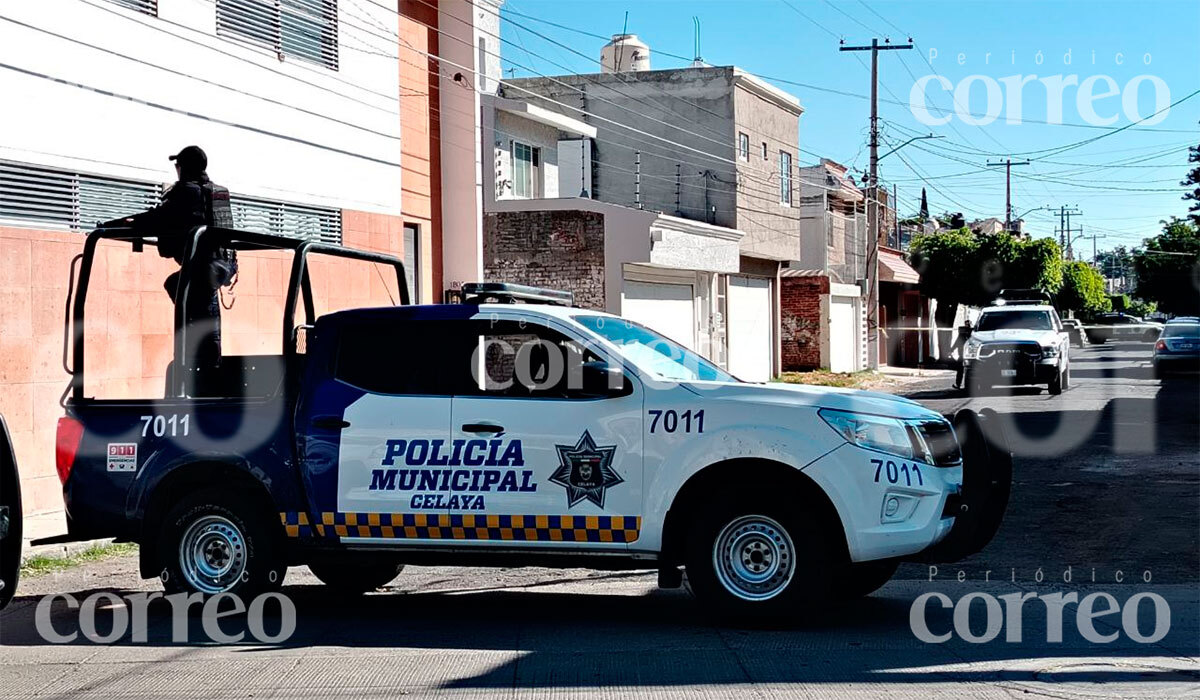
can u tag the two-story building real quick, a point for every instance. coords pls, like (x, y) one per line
(825, 298)
(714, 146)
(542, 228)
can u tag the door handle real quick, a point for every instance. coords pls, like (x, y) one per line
(330, 423)
(482, 428)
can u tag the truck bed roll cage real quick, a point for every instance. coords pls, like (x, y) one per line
(204, 238)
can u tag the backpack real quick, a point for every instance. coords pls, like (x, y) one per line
(218, 213)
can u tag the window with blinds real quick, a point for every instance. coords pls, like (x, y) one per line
(60, 199)
(286, 219)
(33, 196)
(305, 29)
(148, 7)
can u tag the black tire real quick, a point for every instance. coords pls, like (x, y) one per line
(794, 559)
(10, 499)
(861, 579)
(1159, 372)
(353, 577)
(228, 536)
(1060, 382)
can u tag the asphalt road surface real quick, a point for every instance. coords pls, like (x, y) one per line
(1106, 479)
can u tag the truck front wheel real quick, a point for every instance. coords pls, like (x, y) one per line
(215, 542)
(756, 559)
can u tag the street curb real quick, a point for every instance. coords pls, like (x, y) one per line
(62, 551)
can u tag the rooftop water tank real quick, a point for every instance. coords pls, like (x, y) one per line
(623, 54)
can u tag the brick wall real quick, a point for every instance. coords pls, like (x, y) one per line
(556, 249)
(800, 303)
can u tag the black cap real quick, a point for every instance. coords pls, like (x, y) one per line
(191, 158)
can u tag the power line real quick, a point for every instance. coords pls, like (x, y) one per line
(571, 87)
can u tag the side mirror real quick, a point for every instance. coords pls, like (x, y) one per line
(603, 379)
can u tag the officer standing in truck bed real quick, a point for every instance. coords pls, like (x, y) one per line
(194, 200)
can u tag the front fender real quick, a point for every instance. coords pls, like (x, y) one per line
(672, 460)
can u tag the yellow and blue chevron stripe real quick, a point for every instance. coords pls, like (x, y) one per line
(423, 526)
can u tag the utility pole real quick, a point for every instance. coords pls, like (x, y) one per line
(1065, 230)
(896, 217)
(1094, 236)
(1008, 208)
(873, 192)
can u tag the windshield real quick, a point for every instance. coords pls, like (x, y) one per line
(653, 352)
(1005, 320)
(1181, 330)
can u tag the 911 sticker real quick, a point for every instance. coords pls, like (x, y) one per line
(122, 457)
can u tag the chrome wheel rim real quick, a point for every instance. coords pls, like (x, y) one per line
(754, 558)
(212, 554)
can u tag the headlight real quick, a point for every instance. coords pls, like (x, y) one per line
(890, 435)
(1050, 350)
(971, 349)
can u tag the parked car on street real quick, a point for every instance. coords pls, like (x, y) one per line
(1178, 346)
(1120, 326)
(1017, 344)
(493, 432)
(1075, 331)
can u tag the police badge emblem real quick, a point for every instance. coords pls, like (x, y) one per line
(585, 470)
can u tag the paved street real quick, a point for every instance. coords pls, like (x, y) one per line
(1106, 479)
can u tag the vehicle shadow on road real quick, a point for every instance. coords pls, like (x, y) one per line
(657, 639)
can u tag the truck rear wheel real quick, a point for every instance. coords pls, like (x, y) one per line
(350, 577)
(752, 560)
(215, 542)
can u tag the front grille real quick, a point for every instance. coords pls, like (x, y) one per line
(940, 442)
(1025, 350)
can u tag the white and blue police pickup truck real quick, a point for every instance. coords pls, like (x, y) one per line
(515, 434)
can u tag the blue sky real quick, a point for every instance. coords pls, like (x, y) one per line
(797, 40)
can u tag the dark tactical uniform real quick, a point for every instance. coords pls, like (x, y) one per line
(964, 332)
(192, 201)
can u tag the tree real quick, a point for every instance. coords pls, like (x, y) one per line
(1168, 268)
(1082, 290)
(1142, 308)
(961, 267)
(1193, 180)
(924, 213)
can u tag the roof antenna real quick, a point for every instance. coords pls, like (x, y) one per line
(697, 61)
(621, 45)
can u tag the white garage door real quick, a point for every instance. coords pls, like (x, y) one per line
(749, 328)
(669, 309)
(843, 350)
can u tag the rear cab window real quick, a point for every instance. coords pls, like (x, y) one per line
(400, 357)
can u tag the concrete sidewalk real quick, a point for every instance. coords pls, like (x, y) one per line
(539, 633)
